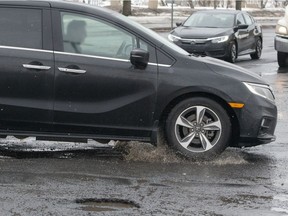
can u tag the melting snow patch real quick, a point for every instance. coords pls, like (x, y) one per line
(281, 210)
(281, 197)
(31, 144)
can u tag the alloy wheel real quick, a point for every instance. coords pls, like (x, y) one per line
(258, 50)
(198, 129)
(233, 53)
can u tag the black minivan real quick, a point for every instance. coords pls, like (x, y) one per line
(76, 71)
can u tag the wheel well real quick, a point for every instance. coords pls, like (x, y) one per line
(229, 110)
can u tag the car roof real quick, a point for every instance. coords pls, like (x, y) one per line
(220, 11)
(48, 3)
(25, 2)
(76, 6)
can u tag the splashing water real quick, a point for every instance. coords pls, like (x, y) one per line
(145, 152)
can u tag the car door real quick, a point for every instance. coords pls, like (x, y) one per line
(251, 31)
(242, 35)
(97, 90)
(26, 68)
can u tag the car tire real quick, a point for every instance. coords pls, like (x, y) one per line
(282, 59)
(198, 128)
(258, 49)
(232, 55)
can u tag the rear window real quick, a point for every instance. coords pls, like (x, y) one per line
(21, 27)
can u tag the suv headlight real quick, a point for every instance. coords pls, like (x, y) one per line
(173, 38)
(219, 39)
(261, 90)
(282, 30)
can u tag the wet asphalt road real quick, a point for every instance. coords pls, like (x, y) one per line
(252, 181)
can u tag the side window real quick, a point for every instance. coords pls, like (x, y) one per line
(21, 27)
(91, 36)
(240, 20)
(248, 19)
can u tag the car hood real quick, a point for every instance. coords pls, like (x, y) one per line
(193, 32)
(227, 69)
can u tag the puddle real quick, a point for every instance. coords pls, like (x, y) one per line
(101, 205)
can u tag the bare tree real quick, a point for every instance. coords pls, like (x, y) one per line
(126, 7)
(190, 2)
(215, 4)
(238, 4)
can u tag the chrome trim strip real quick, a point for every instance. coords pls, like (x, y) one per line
(69, 70)
(107, 58)
(37, 67)
(159, 65)
(26, 49)
(91, 56)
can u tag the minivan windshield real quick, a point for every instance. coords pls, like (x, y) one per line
(210, 20)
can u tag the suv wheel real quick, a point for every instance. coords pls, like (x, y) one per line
(282, 59)
(198, 128)
(258, 49)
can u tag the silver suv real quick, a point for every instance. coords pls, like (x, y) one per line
(281, 40)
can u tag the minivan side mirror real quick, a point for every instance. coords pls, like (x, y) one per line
(178, 24)
(139, 58)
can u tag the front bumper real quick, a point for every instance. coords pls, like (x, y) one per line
(257, 122)
(281, 43)
(216, 50)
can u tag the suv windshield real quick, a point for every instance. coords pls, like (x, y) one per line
(210, 20)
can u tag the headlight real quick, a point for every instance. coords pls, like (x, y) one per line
(173, 38)
(219, 39)
(282, 30)
(264, 91)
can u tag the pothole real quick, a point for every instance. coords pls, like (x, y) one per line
(100, 205)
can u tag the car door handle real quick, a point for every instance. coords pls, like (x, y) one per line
(70, 70)
(36, 67)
